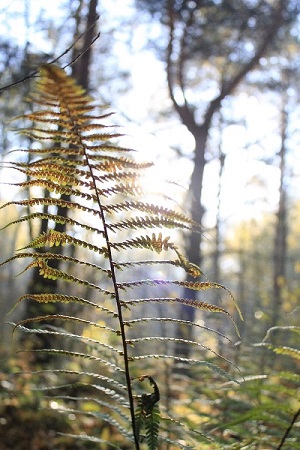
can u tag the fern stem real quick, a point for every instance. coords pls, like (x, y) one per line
(119, 307)
(288, 430)
(77, 131)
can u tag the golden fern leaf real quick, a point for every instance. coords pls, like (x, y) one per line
(86, 192)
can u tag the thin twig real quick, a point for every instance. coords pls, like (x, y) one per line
(54, 60)
(82, 52)
(295, 417)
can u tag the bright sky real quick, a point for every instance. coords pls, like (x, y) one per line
(27, 12)
(156, 138)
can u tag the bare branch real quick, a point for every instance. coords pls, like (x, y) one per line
(228, 87)
(184, 112)
(54, 60)
(295, 417)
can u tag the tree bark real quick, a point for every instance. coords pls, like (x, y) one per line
(81, 67)
(281, 229)
(193, 243)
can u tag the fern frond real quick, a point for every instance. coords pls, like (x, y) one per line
(146, 262)
(290, 376)
(61, 298)
(93, 439)
(133, 341)
(202, 286)
(54, 238)
(282, 350)
(111, 393)
(198, 286)
(56, 188)
(147, 415)
(56, 218)
(53, 202)
(176, 321)
(55, 256)
(184, 301)
(100, 403)
(92, 343)
(150, 208)
(76, 373)
(107, 418)
(68, 353)
(190, 361)
(156, 243)
(293, 329)
(51, 273)
(81, 194)
(147, 222)
(169, 422)
(63, 317)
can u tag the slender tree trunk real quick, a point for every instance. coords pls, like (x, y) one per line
(281, 229)
(217, 244)
(195, 193)
(81, 67)
(193, 244)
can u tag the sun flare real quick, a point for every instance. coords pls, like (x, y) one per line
(159, 188)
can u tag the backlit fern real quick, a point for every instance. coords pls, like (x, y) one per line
(78, 177)
(262, 410)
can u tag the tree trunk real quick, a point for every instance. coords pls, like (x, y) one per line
(81, 67)
(177, 52)
(216, 269)
(193, 244)
(280, 239)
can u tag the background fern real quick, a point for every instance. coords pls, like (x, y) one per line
(262, 409)
(86, 194)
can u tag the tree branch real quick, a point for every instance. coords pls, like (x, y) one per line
(54, 60)
(184, 112)
(80, 70)
(228, 87)
(295, 417)
(182, 54)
